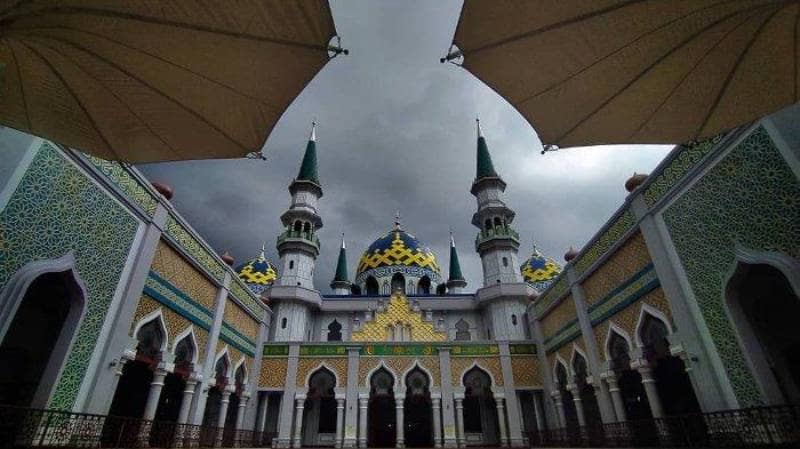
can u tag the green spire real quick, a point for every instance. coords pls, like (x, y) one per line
(308, 169)
(485, 166)
(341, 265)
(455, 266)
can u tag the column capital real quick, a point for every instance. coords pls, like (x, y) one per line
(339, 402)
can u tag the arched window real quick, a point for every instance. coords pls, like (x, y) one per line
(334, 331)
(184, 355)
(150, 340)
(398, 283)
(513, 319)
(462, 331)
(283, 322)
(498, 222)
(424, 286)
(385, 289)
(372, 286)
(221, 370)
(382, 383)
(291, 264)
(298, 226)
(505, 261)
(240, 379)
(488, 224)
(307, 227)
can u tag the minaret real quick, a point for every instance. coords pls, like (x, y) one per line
(497, 242)
(340, 283)
(298, 245)
(455, 281)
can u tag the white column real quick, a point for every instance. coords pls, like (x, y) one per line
(223, 413)
(562, 418)
(188, 393)
(501, 420)
(649, 384)
(240, 413)
(339, 421)
(363, 404)
(261, 420)
(299, 404)
(539, 410)
(437, 421)
(460, 421)
(576, 398)
(155, 393)
(616, 396)
(401, 430)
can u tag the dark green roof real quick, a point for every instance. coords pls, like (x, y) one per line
(308, 170)
(455, 267)
(485, 166)
(341, 267)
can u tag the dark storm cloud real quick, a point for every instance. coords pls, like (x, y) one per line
(396, 132)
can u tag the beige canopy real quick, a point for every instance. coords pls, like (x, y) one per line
(143, 81)
(587, 72)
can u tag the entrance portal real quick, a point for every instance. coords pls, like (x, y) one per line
(319, 412)
(480, 409)
(417, 410)
(382, 415)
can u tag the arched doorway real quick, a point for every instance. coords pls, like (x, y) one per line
(382, 415)
(567, 400)
(36, 341)
(214, 400)
(171, 399)
(417, 410)
(130, 397)
(672, 382)
(398, 284)
(319, 412)
(591, 410)
(239, 381)
(629, 380)
(480, 409)
(372, 287)
(764, 307)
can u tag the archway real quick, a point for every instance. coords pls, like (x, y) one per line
(335, 331)
(424, 286)
(372, 287)
(239, 381)
(382, 415)
(319, 412)
(480, 409)
(214, 400)
(567, 400)
(398, 284)
(591, 409)
(764, 307)
(462, 331)
(171, 399)
(417, 410)
(672, 382)
(130, 397)
(629, 380)
(36, 341)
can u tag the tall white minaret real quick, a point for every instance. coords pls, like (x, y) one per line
(497, 242)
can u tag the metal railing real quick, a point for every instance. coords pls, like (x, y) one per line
(24, 427)
(777, 426)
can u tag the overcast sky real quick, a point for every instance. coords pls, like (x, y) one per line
(397, 132)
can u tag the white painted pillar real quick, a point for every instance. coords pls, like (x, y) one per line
(240, 413)
(339, 421)
(538, 409)
(616, 395)
(261, 419)
(460, 421)
(436, 405)
(401, 430)
(363, 404)
(649, 384)
(155, 393)
(188, 394)
(299, 404)
(223, 413)
(501, 420)
(557, 400)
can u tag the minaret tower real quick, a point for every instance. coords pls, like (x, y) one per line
(455, 281)
(298, 246)
(340, 283)
(497, 242)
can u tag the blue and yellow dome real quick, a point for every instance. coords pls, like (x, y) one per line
(539, 271)
(398, 248)
(257, 274)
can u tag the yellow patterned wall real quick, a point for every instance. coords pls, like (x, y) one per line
(459, 365)
(562, 314)
(273, 373)
(525, 370)
(398, 310)
(240, 320)
(180, 273)
(336, 364)
(628, 318)
(175, 323)
(631, 257)
(398, 366)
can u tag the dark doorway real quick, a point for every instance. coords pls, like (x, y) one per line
(567, 401)
(130, 397)
(417, 410)
(591, 409)
(32, 336)
(319, 412)
(630, 381)
(382, 415)
(480, 408)
(372, 287)
(335, 331)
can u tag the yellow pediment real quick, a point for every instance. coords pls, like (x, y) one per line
(397, 318)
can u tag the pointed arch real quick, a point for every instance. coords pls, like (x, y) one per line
(614, 329)
(241, 363)
(375, 369)
(320, 367)
(478, 366)
(156, 316)
(223, 354)
(560, 361)
(644, 311)
(187, 333)
(416, 365)
(576, 352)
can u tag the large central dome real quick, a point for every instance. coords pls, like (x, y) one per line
(398, 252)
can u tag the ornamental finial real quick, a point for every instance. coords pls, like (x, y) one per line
(397, 225)
(478, 125)
(343, 247)
(452, 240)
(263, 251)
(313, 136)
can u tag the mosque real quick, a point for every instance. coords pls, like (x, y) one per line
(112, 304)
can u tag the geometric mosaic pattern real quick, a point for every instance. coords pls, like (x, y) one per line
(172, 267)
(750, 198)
(558, 287)
(624, 222)
(397, 366)
(258, 272)
(397, 248)
(195, 248)
(526, 371)
(338, 365)
(129, 185)
(630, 291)
(626, 261)
(559, 316)
(240, 320)
(459, 365)
(273, 373)
(176, 324)
(539, 270)
(398, 310)
(56, 209)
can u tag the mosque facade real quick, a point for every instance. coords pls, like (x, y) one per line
(661, 313)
